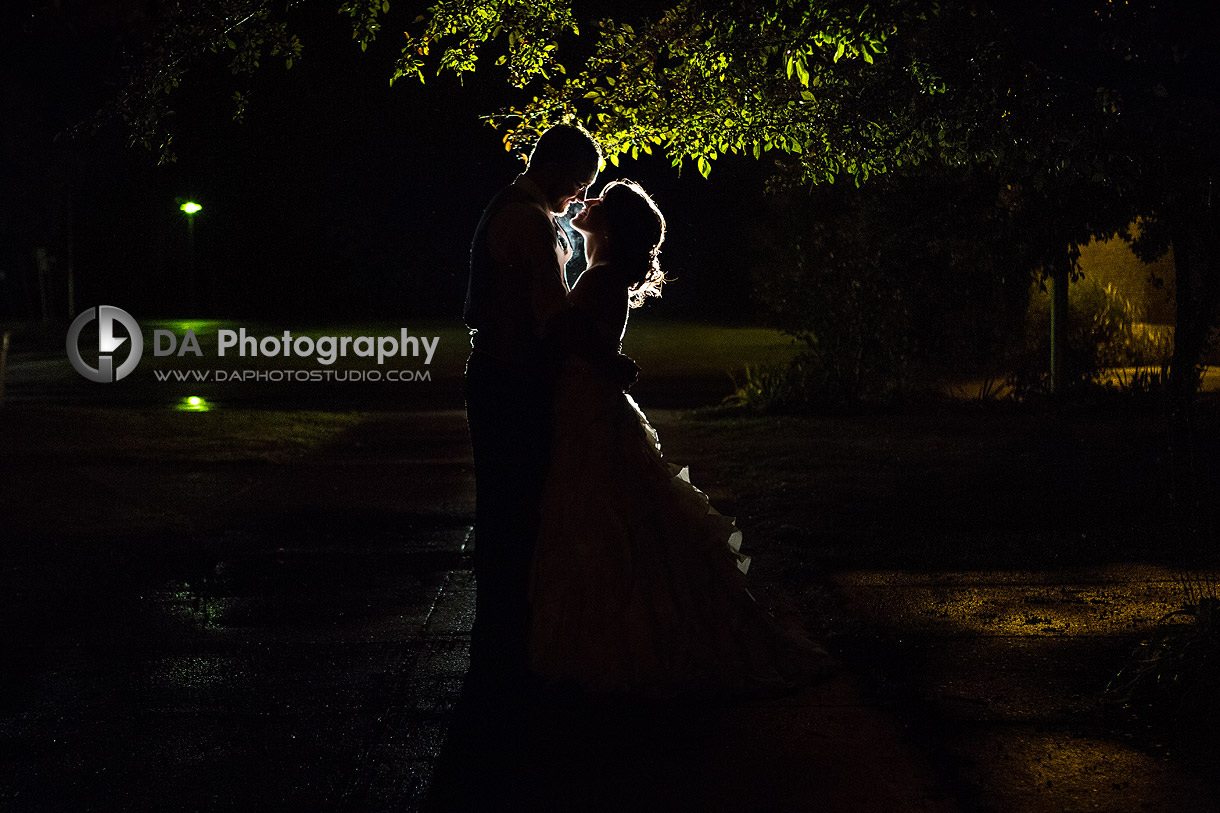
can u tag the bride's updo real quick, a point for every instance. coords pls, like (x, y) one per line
(636, 231)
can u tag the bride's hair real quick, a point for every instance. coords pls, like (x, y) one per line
(637, 229)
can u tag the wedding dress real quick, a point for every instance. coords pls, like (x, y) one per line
(638, 584)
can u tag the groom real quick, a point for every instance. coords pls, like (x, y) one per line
(520, 327)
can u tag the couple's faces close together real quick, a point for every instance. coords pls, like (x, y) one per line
(570, 188)
(590, 219)
(573, 190)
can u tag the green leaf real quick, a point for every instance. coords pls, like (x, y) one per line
(802, 73)
(840, 50)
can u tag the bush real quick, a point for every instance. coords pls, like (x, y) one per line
(1172, 680)
(798, 386)
(913, 274)
(804, 385)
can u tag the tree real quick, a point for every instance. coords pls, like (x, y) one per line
(1087, 114)
(705, 79)
(1090, 114)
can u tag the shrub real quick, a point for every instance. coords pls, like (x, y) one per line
(806, 384)
(1171, 682)
(797, 386)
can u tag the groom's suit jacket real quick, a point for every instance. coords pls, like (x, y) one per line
(516, 276)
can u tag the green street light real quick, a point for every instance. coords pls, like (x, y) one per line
(193, 403)
(190, 208)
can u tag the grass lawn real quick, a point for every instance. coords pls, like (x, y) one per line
(683, 365)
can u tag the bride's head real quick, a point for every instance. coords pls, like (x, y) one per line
(625, 229)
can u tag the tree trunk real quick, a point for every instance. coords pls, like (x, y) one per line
(1189, 324)
(1060, 275)
(1197, 286)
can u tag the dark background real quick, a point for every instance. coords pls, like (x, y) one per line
(336, 197)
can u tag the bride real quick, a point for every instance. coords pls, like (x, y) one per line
(638, 584)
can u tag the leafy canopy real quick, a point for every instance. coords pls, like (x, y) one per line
(704, 79)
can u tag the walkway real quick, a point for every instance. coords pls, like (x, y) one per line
(198, 622)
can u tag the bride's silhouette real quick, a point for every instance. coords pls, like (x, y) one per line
(638, 584)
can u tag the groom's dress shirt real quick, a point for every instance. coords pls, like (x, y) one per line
(516, 275)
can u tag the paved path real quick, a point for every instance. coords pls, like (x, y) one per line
(215, 632)
(1005, 666)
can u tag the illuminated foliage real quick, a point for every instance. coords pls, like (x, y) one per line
(705, 79)
(531, 28)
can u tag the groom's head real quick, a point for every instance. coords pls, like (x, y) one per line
(564, 164)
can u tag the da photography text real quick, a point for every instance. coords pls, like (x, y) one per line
(119, 347)
(325, 349)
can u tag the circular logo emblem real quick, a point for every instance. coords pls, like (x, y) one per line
(107, 343)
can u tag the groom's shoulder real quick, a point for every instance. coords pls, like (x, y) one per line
(511, 209)
(515, 192)
(516, 206)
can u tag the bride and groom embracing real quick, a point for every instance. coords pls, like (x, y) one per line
(598, 565)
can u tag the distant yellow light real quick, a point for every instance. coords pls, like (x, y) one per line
(190, 207)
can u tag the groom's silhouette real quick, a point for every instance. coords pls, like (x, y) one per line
(517, 310)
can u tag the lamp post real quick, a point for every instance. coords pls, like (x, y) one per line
(190, 208)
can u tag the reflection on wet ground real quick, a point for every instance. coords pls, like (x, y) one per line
(296, 674)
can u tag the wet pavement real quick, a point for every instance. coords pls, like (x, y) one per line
(281, 635)
(272, 611)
